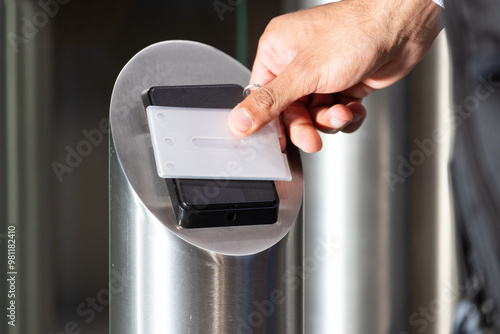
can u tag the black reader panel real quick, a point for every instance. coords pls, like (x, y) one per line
(214, 202)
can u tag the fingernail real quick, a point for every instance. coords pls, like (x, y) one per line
(355, 118)
(338, 124)
(241, 120)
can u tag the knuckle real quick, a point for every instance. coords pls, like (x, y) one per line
(276, 27)
(271, 32)
(274, 22)
(265, 100)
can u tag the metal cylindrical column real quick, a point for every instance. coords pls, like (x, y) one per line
(166, 279)
(26, 127)
(388, 218)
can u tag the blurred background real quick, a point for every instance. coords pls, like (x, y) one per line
(380, 196)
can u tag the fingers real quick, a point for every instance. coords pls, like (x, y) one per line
(305, 116)
(335, 112)
(282, 137)
(300, 126)
(328, 115)
(319, 112)
(359, 115)
(357, 92)
(267, 102)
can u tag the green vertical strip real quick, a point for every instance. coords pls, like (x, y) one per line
(3, 170)
(11, 118)
(12, 150)
(241, 32)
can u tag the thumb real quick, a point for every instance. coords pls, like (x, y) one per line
(267, 102)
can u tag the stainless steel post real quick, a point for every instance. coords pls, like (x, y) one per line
(166, 279)
(26, 189)
(393, 269)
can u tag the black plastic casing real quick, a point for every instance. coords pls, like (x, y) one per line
(214, 202)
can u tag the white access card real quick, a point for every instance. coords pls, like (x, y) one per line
(197, 143)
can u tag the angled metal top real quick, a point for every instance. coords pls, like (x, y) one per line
(187, 63)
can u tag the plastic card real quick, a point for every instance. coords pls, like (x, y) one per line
(197, 143)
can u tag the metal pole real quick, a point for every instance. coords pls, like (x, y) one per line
(394, 265)
(166, 279)
(26, 131)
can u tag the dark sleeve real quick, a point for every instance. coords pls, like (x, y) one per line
(473, 29)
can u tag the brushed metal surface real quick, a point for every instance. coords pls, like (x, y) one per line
(172, 280)
(394, 254)
(434, 278)
(363, 286)
(27, 190)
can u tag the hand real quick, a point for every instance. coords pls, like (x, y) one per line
(317, 64)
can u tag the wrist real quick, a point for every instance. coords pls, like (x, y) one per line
(411, 21)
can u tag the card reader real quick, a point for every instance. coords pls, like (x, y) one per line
(201, 203)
